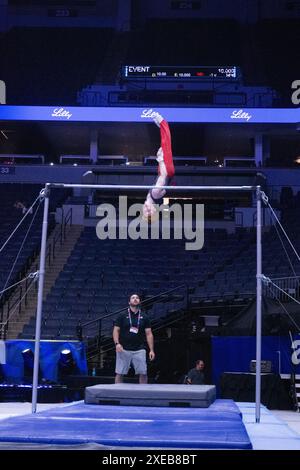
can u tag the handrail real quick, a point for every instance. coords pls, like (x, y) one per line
(68, 218)
(75, 159)
(187, 160)
(285, 277)
(94, 348)
(58, 236)
(238, 159)
(125, 308)
(217, 296)
(10, 159)
(16, 306)
(289, 286)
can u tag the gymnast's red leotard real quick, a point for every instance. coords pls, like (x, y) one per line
(165, 138)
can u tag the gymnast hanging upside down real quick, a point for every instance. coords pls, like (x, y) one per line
(165, 169)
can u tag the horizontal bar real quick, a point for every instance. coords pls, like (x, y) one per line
(170, 188)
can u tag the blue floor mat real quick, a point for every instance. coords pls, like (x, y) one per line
(219, 426)
(224, 411)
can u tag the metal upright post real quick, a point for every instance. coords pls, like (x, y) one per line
(258, 305)
(45, 193)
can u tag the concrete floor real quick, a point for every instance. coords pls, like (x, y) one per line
(277, 430)
(291, 418)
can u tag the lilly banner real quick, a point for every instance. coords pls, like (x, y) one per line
(143, 114)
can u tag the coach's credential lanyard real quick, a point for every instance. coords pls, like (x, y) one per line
(134, 329)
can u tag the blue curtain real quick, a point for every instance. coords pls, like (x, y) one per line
(234, 353)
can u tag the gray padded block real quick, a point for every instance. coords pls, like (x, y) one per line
(178, 395)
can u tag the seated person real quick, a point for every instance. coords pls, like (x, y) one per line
(196, 375)
(23, 207)
(18, 205)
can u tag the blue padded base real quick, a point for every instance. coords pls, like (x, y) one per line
(218, 427)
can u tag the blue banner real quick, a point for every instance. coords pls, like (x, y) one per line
(49, 356)
(144, 114)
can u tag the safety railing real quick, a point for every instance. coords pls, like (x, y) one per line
(98, 332)
(11, 159)
(290, 285)
(12, 306)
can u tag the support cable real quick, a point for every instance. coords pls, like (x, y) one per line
(266, 201)
(21, 247)
(21, 221)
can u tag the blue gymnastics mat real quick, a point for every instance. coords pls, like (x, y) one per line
(218, 427)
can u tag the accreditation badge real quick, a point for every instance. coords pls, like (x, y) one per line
(133, 329)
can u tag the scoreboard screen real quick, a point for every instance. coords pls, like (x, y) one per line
(179, 72)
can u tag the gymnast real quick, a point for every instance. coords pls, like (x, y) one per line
(165, 169)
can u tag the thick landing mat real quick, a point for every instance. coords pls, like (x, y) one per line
(217, 427)
(199, 396)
